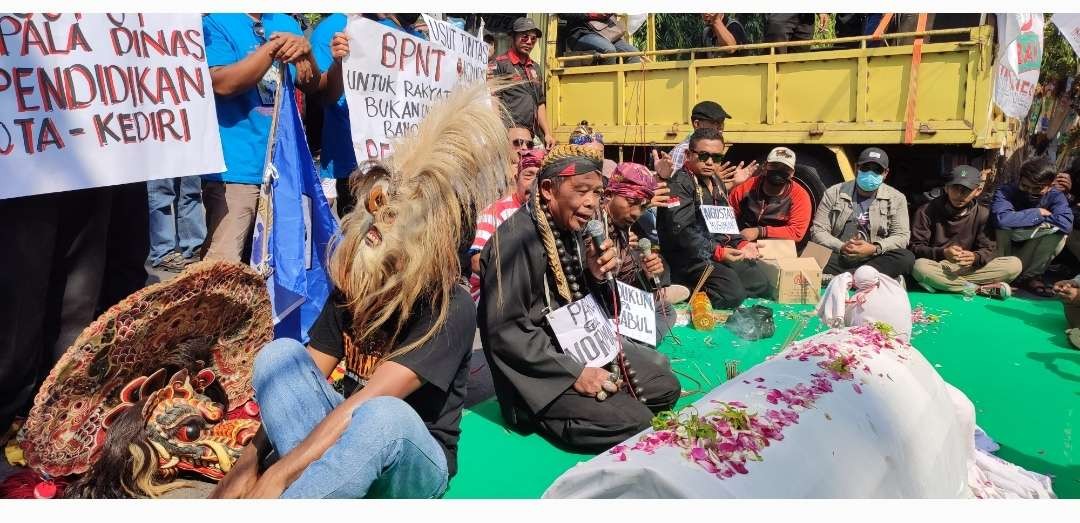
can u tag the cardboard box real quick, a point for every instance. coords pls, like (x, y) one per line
(792, 278)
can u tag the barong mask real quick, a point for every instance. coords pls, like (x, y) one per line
(167, 427)
(106, 411)
(400, 244)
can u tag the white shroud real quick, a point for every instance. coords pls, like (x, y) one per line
(891, 429)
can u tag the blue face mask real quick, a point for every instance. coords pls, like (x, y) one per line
(869, 180)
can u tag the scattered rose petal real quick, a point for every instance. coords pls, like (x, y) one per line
(857, 388)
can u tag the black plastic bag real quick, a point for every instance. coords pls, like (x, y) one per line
(752, 323)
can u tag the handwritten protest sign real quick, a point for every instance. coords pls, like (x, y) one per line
(585, 332)
(720, 219)
(637, 314)
(1019, 60)
(393, 78)
(90, 100)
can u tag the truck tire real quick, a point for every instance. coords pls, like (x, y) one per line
(807, 176)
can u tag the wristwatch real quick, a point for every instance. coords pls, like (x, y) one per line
(877, 249)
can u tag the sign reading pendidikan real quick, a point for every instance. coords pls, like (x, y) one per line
(90, 100)
(393, 78)
(584, 332)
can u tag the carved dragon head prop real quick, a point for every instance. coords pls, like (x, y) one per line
(108, 412)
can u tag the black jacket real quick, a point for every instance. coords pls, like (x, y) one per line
(528, 367)
(685, 240)
(938, 224)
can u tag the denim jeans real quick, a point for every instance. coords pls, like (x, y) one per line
(595, 42)
(386, 451)
(186, 230)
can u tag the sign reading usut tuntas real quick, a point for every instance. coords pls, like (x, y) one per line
(90, 100)
(393, 78)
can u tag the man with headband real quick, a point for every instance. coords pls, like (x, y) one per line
(497, 213)
(631, 188)
(537, 263)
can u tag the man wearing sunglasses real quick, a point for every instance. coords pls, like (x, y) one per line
(244, 52)
(527, 102)
(685, 240)
(707, 114)
(864, 221)
(521, 139)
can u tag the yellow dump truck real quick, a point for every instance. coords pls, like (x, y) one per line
(927, 103)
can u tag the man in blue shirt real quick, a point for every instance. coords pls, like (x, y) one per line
(244, 52)
(1032, 221)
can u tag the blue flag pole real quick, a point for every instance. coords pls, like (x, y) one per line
(294, 226)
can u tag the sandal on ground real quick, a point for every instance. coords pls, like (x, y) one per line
(1037, 287)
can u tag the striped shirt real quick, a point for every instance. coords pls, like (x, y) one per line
(678, 155)
(486, 223)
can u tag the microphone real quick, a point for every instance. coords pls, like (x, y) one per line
(645, 246)
(595, 230)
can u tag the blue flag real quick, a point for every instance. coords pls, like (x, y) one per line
(294, 224)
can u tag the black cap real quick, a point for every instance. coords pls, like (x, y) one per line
(873, 155)
(709, 110)
(524, 25)
(965, 175)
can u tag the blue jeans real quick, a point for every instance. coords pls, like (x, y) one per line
(386, 451)
(186, 230)
(595, 42)
(872, 21)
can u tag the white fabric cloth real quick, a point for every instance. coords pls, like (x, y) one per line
(877, 298)
(894, 429)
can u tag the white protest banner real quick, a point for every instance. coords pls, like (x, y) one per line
(1020, 50)
(720, 219)
(584, 332)
(468, 52)
(1069, 26)
(392, 78)
(91, 100)
(637, 314)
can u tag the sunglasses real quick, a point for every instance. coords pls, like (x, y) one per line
(873, 167)
(259, 30)
(522, 143)
(528, 37)
(704, 157)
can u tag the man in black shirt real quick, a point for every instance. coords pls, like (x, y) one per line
(527, 102)
(400, 320)
(412, 408)
(685, 240)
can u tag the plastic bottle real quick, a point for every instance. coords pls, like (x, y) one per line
(701, 312)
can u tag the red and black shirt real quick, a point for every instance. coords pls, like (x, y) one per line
(784, 216)
(521, 100)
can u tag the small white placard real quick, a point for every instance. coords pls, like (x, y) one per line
(584, 332)
(637, 314)
(720, 219)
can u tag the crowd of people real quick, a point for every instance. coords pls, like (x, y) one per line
(394, 432)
